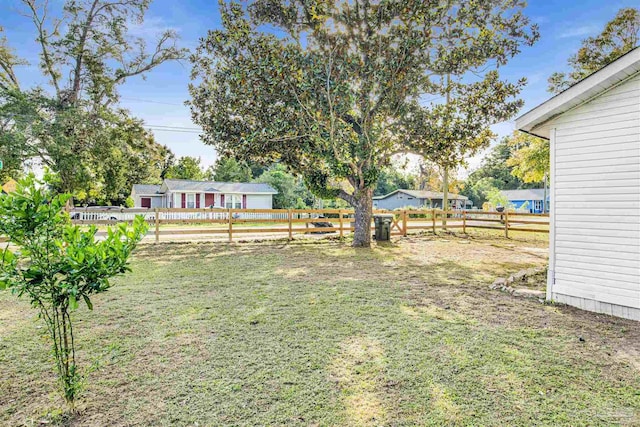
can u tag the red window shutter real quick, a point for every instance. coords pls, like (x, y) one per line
(244, 201)
(222, 200)
(197, 201)
(184, 200)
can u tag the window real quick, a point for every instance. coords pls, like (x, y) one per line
(191, 201)
(537, 205)
(233, 201)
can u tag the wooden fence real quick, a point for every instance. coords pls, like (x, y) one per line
(234, 222)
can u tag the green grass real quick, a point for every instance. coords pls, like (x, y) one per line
(323, 334)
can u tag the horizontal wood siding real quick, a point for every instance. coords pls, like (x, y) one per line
(597, 203)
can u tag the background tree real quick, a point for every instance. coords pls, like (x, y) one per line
(392, 179)
(187, 167)
(494, 172)
(57, 265)
(291, 191)
(8, 62)
(619, 36)
(327, 98)
(228, 169)
(448, 132)
(131, 157)
(85, 56)
(529, 157)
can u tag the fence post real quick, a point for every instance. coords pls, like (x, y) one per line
(464, 221)
(506, 223)
(290, 224)
(230, 225)
(433, 219)
(157, 225)
(341, 223)
(404, 223)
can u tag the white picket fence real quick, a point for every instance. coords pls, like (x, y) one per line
(89, 215)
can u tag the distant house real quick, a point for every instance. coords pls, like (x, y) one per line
(418, 199)
(593, 129)
(529, 200)
(178, 193)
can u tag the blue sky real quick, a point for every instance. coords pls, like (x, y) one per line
(159, 99)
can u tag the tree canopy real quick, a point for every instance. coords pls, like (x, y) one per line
(618, 37)
(494, 172)
(228, 169)
(328, 97)
(72, 125)
(186, 167)
(529, 157)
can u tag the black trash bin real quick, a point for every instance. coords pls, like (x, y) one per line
(383, 226)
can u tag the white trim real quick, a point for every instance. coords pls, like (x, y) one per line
(233, 197)
(585, 90)
(224, 192)
(190, 200)
(552, 214)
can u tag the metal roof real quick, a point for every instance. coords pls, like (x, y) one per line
(218, 187)
(608, 77)
(422, 194)
(530, 194)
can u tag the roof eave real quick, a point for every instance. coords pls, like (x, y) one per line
(583, 91)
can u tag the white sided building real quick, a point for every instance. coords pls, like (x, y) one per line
(185, 194)
(594, 133)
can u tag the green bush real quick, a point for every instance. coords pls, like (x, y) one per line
(57, 265)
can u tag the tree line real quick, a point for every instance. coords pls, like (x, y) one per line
(321, 105)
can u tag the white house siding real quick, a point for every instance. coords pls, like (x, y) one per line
(595, 202)
(156, 201)
(398, 200)
(259, 201)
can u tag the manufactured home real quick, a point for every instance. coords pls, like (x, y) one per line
(419, 199)
(594, 133)
(531, 200)
(179, 193)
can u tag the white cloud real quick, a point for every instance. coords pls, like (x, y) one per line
(581, 31)
(151, 27)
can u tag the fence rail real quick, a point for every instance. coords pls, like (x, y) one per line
(233, 222)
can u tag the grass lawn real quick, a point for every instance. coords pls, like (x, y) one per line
(318, 333)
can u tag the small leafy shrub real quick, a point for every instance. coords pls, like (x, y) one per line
(57, 265)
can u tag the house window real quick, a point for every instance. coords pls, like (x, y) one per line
(537, 205)
(191, 201)
(233, 201)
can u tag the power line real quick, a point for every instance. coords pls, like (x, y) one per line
(151, 101)
(173, 130)
(173, 127)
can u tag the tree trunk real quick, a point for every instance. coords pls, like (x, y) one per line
(445, 197)
(363, 205)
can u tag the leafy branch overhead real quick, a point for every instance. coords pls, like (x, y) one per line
(330, 97)
(618, 37)
(70, 125)
(93, 46)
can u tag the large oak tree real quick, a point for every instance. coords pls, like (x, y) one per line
(72, 125)
(327, 89)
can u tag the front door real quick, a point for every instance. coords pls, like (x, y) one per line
(209, 200)
(145, 202)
